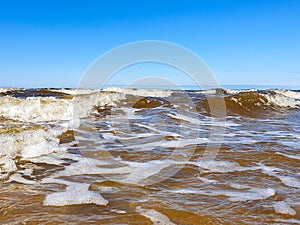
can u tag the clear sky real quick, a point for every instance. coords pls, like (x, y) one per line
(244, 42)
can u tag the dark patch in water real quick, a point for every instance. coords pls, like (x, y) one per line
(66, 137)
(103, 110)
(150, 102)
(43, 92)
(249, 104)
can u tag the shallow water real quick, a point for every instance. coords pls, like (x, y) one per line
(124, 156)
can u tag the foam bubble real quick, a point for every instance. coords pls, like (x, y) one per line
(155, 217)
(284, 208)
(76, 193)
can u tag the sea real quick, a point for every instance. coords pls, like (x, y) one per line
(144, 156)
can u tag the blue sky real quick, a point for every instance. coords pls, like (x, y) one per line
(244, 42)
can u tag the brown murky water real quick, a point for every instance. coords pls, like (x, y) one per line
(143, 158)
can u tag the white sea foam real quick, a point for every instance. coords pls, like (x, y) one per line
(140, 92)
(39, 109)
(142, 171)
(83, 105)
(2, 90)
(221, 166)
(118, 211)
(207, 92)
(20, 179)
(35, 109)
(282, 100)
(28, 144)
(252, 194)
(40, 142)
(238, 186)
(132, 172)
(192, 120)
(7, 166)
(208, 121)
(248, 195)
(47, 159)
(284, 208)
(78, 91)
(76, 193)
(288, 221)
(231, 184)
(268, 169)
(84, 166)
(27, 172)
(228, 91)
(155, 217)
(232, 91)
(288, 93)
(289, 181)
(167, 144)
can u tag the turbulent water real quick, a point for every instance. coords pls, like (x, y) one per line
(132, 156)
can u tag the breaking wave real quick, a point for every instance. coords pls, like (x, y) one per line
(38, 105)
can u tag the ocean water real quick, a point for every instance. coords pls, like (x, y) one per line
(134, 156)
